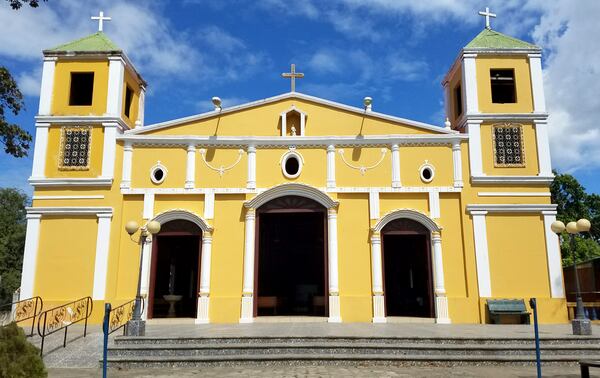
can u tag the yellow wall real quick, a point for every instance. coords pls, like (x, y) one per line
(62, 80)
(524, 102)
(144, 158)
(53, 155)
(363, 157)
(269, 173)
(529, 153)
(412, 157)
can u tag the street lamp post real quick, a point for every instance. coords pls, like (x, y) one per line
(581, 325)
(136, 326)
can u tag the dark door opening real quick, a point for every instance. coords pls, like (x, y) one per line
(174, 279)
(291, 263)
(408, 283)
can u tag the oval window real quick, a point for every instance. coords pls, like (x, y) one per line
(427, 173)
(158, 174)
(291, 165)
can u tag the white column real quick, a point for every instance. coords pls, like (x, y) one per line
(101, 262)
(40, 150)
(145, 281)
(377, 279)
(127, 158)
(203, 297)
(47, 86)
(109, 150)
(434, 204)
(395, 166)
(190, 168)
(209, 204)
(543, 147)
(251, 180)
(475, 159)
(557, 289)
(457, 164)
(441, 301)
(469, 78)
(148, 211)
(373, 204)
(116, 78)
(331, 166)
(248, 284)
(332, 249)
(481, 254)
(141, 106)
(30, 255)
(537, 83)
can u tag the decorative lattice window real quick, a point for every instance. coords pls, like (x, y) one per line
(508, 145)
(75, 144)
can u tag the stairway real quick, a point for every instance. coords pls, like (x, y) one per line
(132, 352)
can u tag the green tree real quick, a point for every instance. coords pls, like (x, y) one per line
(574, 203)
(17, 4)
(12, 240)
(18, 357)
(15, 139)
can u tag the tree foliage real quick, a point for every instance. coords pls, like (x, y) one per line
(12, 240)
(15, 139)
(17, 4)
(574, 203)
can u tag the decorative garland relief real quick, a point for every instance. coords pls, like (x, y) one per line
(363, 169)
(222, 169)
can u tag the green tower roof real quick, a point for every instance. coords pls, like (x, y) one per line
(97, 42)
(491, 39)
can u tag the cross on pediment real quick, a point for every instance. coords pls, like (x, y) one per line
(487, 14)
(101, 20)
(293, 75)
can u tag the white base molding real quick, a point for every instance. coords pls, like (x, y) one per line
(334, 309)
(247, 309)
(441, 309)
(379, 309)
(202, 316)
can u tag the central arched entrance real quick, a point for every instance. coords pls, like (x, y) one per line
(291, 258)
(175, 270)
(407, 269)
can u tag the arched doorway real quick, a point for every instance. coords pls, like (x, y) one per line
(407, 269)
(175, 270)
(291, 258)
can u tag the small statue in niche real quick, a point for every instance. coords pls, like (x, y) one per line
(293, 130)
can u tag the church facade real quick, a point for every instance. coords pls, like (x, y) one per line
(295, 206)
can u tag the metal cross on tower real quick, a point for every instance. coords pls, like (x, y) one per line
(487, 16)
(293, 75)
(101, 20)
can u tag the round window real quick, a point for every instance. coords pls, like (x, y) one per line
(427, 173)
(291, 165)
(158, 173)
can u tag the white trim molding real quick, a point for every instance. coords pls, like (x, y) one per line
(202, 316)
(469, 81)
(116, 75)
(457, 165)
(374, 205)
(475, 157)
(47, 86)
(292, 189)
(30, 253)
(377, 279)
(511, 208)
(175, 214)
(40, 150)
(510, 180)
(209, 205)
(99, 196)
(412, 214)
(190, 167)
(101, 259)
(332, 265)
(537, 82)
(543, 147)
(251, 179)
(127, 161)
(396, 183)
(555, 276)
(482, 259)
(69, 210)
(441, 301)
(284, 114)
(331, 183)
(513, 194)
(434, 205)
(109, 150)
(247, 308)
(148, 210)
(46, 182)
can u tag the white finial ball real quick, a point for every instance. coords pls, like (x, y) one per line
(447, 123)
(367, 101)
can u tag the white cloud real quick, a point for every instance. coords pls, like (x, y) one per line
(324, 61)
(29, 82)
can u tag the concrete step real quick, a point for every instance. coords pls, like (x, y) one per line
(339, 348)
(325, 358)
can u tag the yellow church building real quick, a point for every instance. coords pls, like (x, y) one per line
(295, 207)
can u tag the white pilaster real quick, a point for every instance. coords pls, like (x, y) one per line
(40, 150)
(557, 289)
(248, 283)
(148, 206)
(101, 262)
(127, 158)
(47, 86)
(396, 166)
(475, 162)
(481, 254)
(332, 244)
(373, 204)
(537, 83)
(203, 298)
(116, 77)
(441, 301)
(190, 168)
(434, 204)
(30, 255)
(331, 166)
(141, 106)
(543, 147)
(109, 150)
(251, 180)
(209, 204)
(469, 78)
(145, 280)
(377, 279)
(457, 164)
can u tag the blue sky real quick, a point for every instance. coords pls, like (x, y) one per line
(395, 51)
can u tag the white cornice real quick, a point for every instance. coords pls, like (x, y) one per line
(348, 189)
(301, 190)
(511, 208)
(503, 52)
(70, 210)
(502, 117)
(285, 96)
(67, 197)
(276, 141)
(42, 182)
(176, 214)
(67, 120)
(508, 180)
(514, 194)
(407, 214)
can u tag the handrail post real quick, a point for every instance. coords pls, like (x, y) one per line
(107, 309)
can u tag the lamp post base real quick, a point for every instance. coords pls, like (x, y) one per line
(136, 328)
(581, 326)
